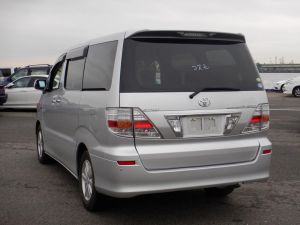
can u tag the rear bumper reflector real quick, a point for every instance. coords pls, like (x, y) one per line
(267, 151)
(126, 163)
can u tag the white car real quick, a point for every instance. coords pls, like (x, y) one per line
(292, 87)
(278, 86)
(22, 94)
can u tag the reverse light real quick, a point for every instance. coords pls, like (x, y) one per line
(174, 122)
(231, 121)
(260, 119)
(130, 122)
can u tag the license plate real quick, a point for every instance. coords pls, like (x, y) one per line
(203, 126)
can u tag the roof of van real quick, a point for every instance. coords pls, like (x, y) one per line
(142, 34)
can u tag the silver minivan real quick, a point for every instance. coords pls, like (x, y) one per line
(155, 111)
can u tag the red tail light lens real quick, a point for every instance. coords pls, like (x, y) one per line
(142, 124)
(259, 120)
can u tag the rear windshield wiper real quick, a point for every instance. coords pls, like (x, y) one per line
(213, 89)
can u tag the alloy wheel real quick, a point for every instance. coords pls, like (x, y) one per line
(297, 92)
(87, 180)
(40, 144)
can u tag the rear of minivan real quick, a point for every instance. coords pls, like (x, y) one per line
(195, 107)
(156, 111)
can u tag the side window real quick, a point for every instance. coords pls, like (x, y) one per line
(74, 74)
(38, 71)
(22, 82)
(20, 73)
(99, 66)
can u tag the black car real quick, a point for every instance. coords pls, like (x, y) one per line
(39, 69)
(3, 96)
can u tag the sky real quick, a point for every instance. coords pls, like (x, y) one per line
(38, 31)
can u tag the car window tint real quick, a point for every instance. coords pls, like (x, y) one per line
(74, 74)
(22, 82)
(38, 71)
(19, 73)
(99, 66)
(154, 66)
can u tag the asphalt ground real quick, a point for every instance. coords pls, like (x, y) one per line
(31, 193)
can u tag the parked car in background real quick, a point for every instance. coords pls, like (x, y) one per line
(39, 69)
(3, 95)
(156, 111)
(278, 86)
(6, 72)
(22, 94)
(292, 87)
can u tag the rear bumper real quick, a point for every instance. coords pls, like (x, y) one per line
(3, 99)
(128, 181)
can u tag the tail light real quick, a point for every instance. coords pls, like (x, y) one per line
(260, 119)
(143, 126)
(130, 122)
(119, 121)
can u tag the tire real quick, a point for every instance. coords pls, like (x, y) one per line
(88, 192)
(220, 191)
(281, 88)
(296, 91)
(42, 156)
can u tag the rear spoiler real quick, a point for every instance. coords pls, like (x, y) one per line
(189, 35)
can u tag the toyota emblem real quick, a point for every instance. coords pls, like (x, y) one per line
(204, 102)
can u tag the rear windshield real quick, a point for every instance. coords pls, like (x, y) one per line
(151, 66)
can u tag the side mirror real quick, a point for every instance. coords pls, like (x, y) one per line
(10, 85)
(40, 85)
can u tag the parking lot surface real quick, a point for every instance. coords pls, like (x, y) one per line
(31, 193)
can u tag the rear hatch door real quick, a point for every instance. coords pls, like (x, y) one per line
(191, 91)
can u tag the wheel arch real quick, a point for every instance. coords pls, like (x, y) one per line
(81, 148)
(37, 125)
(85, 142)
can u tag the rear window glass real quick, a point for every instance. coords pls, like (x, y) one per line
(187, 67)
